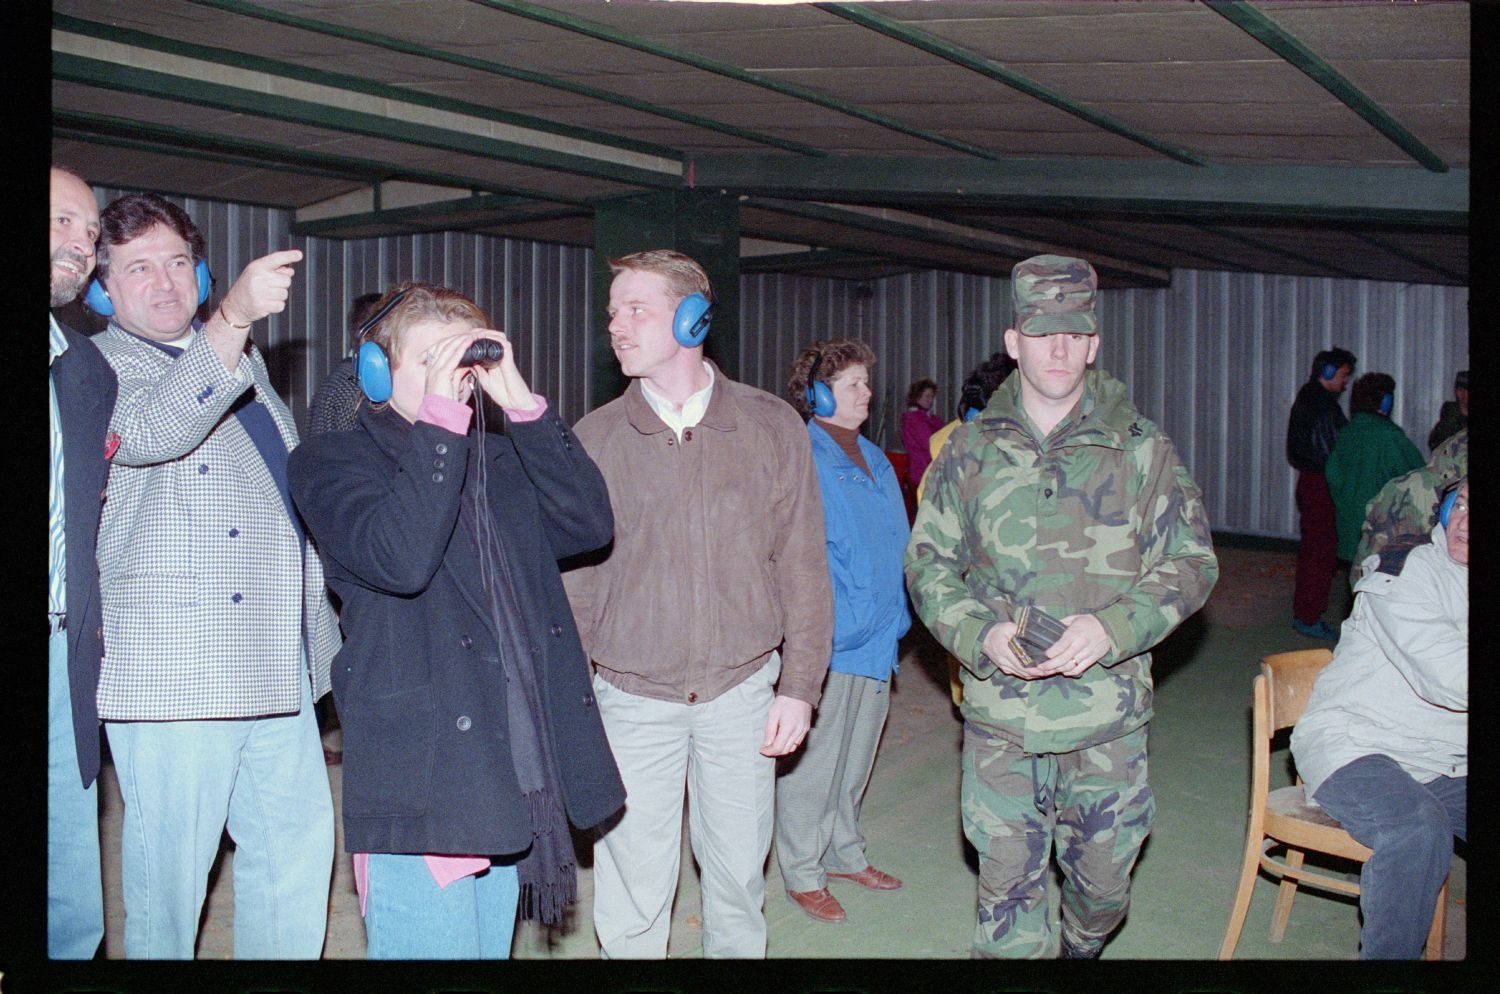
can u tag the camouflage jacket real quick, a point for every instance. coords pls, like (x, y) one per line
(1098, 517)
(1408, 504)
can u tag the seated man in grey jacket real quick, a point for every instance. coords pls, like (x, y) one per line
(1383, 745)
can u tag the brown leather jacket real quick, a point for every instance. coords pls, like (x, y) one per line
(718, 557)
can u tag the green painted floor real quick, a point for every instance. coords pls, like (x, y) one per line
(1183, 885)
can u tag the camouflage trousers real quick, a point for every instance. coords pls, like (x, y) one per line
(1092, 807)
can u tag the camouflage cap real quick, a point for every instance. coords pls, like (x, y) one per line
(1052, 294)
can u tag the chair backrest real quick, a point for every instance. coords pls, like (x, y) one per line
(1289, 682)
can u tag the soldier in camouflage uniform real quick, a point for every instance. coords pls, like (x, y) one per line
(1060, 495)
(1408, 504)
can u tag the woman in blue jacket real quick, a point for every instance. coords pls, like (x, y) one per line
(470, 731)
(819, 790)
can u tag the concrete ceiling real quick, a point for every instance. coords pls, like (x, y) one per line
(864, 139)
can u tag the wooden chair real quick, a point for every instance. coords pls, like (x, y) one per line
(1283, 818)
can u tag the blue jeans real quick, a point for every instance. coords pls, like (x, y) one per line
(182, 782)
(408, 916)
(75, 888)
(1411, 827)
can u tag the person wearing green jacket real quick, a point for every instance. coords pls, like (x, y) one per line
(1371, 451)
(1060, 497)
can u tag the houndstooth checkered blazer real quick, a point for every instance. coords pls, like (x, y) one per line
(208, 594)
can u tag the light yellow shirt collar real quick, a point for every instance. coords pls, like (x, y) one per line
(692, 410)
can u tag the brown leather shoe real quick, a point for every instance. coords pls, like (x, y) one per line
(819, 904)
(871, 878)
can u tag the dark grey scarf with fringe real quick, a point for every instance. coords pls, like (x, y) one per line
(548, 870)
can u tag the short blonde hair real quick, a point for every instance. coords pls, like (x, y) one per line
(683, 274)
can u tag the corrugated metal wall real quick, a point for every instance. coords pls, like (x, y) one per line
(1215, 359)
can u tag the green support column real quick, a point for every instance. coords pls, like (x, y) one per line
(700, 223)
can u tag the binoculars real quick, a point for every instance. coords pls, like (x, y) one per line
(483, 352)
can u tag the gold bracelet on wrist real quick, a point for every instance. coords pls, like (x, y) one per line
(236, 327)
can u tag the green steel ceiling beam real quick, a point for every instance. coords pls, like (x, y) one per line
(1132, 235)
(1160, 189)
(592, 29)
(1087, 227)
(62, 130)
(394, 44)
(145, 82)
(828, 241)
(810, 259)
(1145, 275)
(119, 132)
(1321, 267)
(413, 216)
(905, 259)
(960, 56)
(522, 215)
(1385, 245)
(1277, 39)
(351, 84)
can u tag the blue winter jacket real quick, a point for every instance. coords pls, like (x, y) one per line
(867, 533)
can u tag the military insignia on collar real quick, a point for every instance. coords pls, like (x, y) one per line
(1135, 429)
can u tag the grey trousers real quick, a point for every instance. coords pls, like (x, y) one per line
(714, 750)
(820, 788)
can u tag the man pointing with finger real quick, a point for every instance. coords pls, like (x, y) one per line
(217, 628)
(1060, 498)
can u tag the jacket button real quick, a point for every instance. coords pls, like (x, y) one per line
(556, 630)
(234, 533)
(692, 698)
(464, 723)
(687, 435)
(438, 464)
(1047, 492)
(202, 468)
(588, 700)
(465, 641)
(442, 448)
(237, 598)
(437, 477)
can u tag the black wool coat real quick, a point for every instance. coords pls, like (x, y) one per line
(86, 388)
(419, 686)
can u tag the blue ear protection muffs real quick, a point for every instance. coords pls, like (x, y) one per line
(1445, 509)
(372, 367)
(374, 372)
(818, 395)
(98, 300)
(970, 413)
(1329, 372)
(690, 322)
(1387, 401)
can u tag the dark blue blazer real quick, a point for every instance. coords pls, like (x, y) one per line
(420, 687)
(85, 388)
